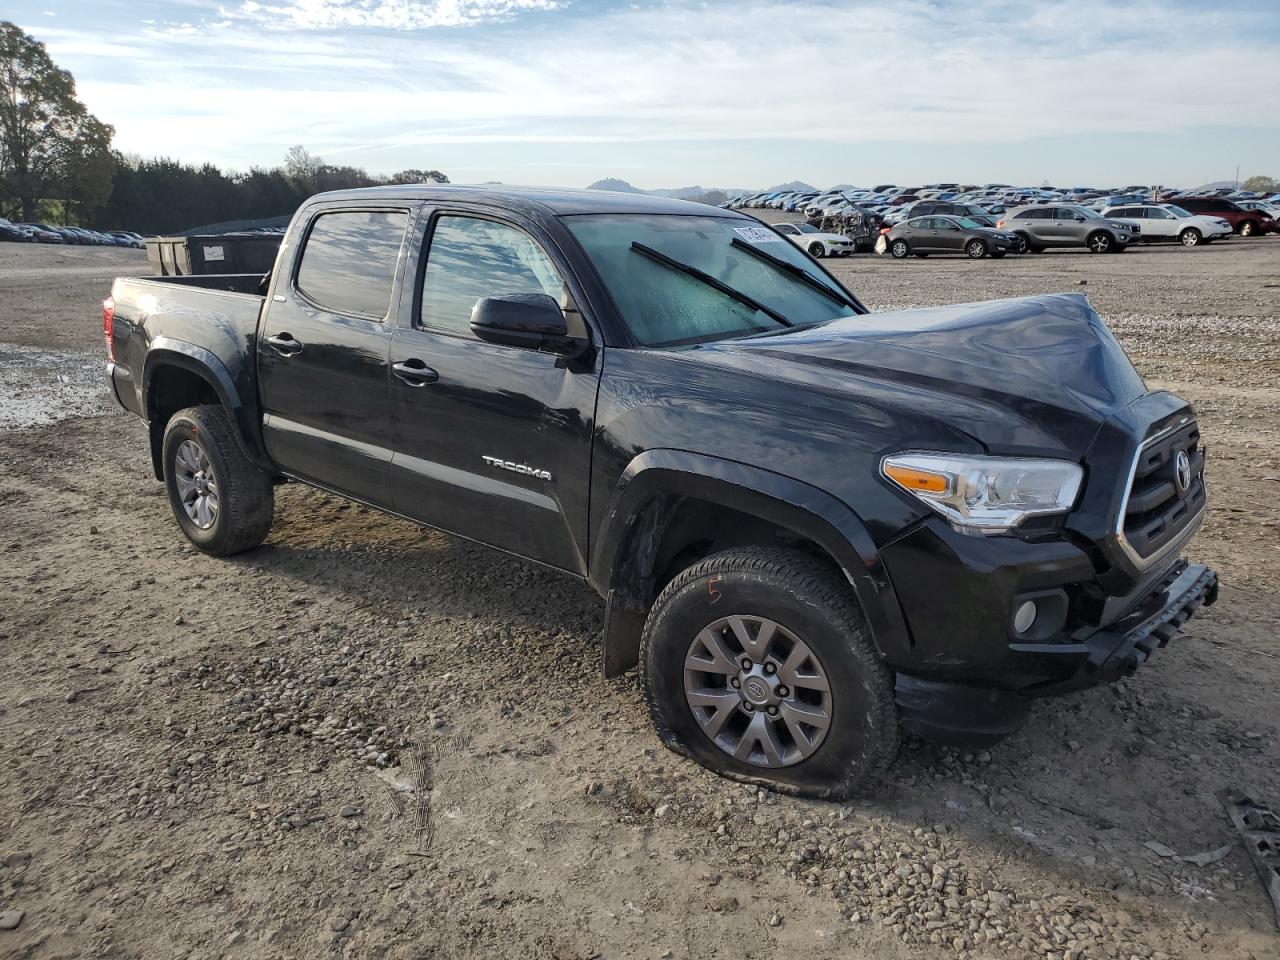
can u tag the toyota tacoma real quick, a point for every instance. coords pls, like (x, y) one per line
(813, 526)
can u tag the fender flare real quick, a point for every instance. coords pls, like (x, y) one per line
(204, 363)
(783, 501)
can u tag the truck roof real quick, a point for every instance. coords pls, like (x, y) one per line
(555, 200)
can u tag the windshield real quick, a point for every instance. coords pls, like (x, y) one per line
(1176, 211)
(1089, 213)
(680, 279)
(806, 228)
(969, 224)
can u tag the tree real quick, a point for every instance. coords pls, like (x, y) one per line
(46, 134)
(301, 164)
(1262, 184)
(418, 176)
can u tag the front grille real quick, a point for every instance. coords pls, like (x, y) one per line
(1159, 506)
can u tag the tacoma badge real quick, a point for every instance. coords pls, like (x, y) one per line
(524, 468)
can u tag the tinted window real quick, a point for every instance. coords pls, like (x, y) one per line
(349, 263)
(1132, 213)
(786, 228)
(920, 209)
(1033, 214)
(922, 223)
(471, 259)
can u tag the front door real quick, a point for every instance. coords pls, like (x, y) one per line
(950, 238)
(492, 442)
(323, 348)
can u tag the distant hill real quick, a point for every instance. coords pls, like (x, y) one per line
(614, 184)
(794, 185)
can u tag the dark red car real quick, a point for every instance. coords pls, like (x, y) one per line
(1247, 223)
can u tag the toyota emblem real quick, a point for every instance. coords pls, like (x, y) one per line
(1182, 471)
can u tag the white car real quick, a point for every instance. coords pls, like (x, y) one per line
(1167, 222)
(817, 243)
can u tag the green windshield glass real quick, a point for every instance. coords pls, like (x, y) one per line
(664, 305)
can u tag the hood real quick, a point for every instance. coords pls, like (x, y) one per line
(1035, 375)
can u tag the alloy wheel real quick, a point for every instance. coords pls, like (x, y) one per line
(197, 485)
(757, 691)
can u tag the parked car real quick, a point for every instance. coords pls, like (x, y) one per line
(130, 239)
(15, 233)
(813, 240)
(1168, 223)
(1042, 226)
(1247, 223)
(922, 236)
(42, 234)
(602, 383)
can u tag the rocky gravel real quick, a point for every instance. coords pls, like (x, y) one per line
(367, 739)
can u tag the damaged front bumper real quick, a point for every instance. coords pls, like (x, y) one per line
(971, 713)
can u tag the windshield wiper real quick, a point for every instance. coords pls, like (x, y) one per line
(798, 272)
(710, 281)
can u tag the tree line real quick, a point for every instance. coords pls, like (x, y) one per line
(57, 163)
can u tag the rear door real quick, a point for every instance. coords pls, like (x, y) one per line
(323, 348)
(491, 442)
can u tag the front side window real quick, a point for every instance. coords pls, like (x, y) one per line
(349, 262)
(470, 259)
(684, 279)
(786, 228)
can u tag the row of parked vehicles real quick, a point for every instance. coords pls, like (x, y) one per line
(47, 233)
(1247, 213)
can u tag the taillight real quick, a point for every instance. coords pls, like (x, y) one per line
(999, 224)
(108, 321)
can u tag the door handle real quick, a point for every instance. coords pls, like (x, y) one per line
(284, 345)
(414, 372)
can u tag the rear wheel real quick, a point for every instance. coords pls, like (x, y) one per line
(758, 665)
(899, 249)
(222, 501)
(1100, 242)
(816, 250)
(976, 249)
(1190, 237)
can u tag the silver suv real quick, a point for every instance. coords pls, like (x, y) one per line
(1067, 225)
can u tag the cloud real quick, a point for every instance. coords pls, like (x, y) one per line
(384, 14)
(926, 77)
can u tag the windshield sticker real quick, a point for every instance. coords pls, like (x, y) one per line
(756, 234)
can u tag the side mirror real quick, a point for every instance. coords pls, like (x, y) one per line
(530, 320)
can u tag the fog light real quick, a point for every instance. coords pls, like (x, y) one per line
(1025, 617)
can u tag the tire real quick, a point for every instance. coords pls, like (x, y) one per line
(975, 249)
(1024, 243)
(200, 453)
(1247, 229)
(817, 250)
(1099, 242)
(899, 249)
(807, 600)
(1190, 237)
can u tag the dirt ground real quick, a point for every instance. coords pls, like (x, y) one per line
(231, 758)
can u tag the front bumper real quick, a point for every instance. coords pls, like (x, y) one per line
(959, 595)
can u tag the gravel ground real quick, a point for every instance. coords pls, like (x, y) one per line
(367, 739)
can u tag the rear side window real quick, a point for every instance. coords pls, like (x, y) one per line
(349, 263)
(1032, 214)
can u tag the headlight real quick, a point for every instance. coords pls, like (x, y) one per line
(986, 495)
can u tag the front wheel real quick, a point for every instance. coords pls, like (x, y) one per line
(1248, 228)
(817, 250)
(899, 249)
(1100, 242)
(758, 665)
(976, 249)
(222, 501)
(1190, 237)
(1024, 243)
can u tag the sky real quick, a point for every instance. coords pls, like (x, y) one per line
(729, 93)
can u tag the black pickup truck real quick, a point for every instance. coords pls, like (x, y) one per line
(812, 525)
